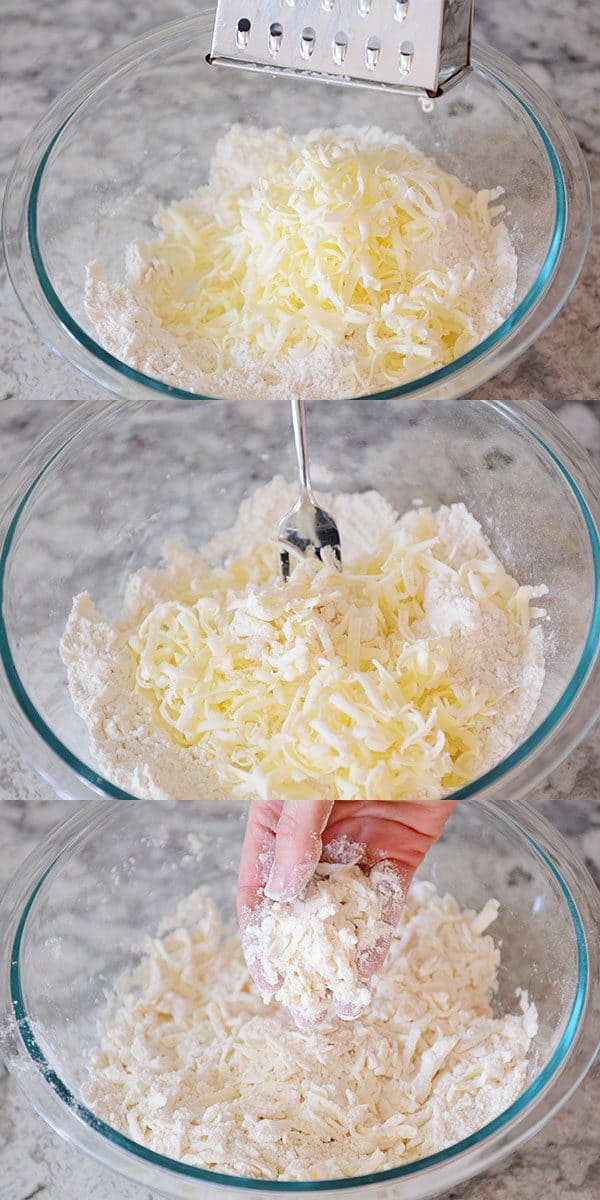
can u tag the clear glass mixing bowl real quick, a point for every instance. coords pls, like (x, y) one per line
(138, 131)
(77, 910)
(99, 496)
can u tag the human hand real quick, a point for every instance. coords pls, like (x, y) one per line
(286, 840)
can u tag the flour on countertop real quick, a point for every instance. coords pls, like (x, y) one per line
(137, 752)
(193, 1066)
(128, 323)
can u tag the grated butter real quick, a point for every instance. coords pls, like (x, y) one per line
(334, 262)
(346, 683)
(408, 674)
(193, 1066)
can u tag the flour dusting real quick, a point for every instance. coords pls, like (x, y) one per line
(406, 675)
(324, 265)
(193, 1066)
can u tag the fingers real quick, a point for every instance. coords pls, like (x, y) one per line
(297, 848)
(395, 838)
(308, 1024)
(398, 832)
(372, 958)
(258, 853)
(283, 841)
(390, 881)
(267, 979)
(282, 847)
(349, 1012)
(283, 844)
(257, 857)
(339, 850)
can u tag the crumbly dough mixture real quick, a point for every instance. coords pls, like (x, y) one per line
(193, 1066)
(406, 675)
(315, 949)
(327, 264)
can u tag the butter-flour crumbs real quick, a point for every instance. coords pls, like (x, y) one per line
(193, 1066)
(312, 951)
(408, 674)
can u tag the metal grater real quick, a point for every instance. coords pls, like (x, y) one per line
(419, 47)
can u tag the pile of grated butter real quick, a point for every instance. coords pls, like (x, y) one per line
(403, 677)
(329, 263)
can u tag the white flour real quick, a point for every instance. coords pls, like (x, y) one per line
(453, 260)
(485, 651)
(194, 1067)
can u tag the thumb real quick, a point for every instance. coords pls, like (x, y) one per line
(297, 847)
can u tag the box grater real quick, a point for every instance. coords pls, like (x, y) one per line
(420, 47)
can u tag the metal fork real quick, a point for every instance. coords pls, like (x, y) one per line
(306, 526)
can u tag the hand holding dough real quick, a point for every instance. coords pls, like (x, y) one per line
(289, 916)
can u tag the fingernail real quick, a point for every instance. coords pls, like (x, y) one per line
(371, 960)
(277, 884)
(307, 1023)
(351, 1012)
(392, 891)
(285, 882)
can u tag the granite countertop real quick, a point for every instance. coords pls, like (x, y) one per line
(45, 47)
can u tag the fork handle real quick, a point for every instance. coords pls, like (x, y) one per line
(301, 443)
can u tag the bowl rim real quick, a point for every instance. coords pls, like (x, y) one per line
(516, 769)
(543, 842)
(545, 297)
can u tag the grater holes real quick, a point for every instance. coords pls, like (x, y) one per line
(405, 57)
(339, 48)
(307, 41)
(364, 7)
(275, 37)
(327, 5)
(400, 9)
(372, 52)
(242, 33)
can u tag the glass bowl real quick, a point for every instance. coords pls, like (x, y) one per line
(100, 495)
(84, 900)
(78, 192)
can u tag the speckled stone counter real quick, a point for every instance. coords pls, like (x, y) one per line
(43, 48)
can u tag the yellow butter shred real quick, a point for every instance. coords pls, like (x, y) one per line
(337, 238)
(378, 682)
